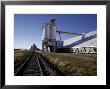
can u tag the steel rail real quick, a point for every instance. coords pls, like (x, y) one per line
(22, 66)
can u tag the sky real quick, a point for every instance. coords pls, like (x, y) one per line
(28, 27)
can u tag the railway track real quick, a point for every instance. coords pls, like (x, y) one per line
(37, 65)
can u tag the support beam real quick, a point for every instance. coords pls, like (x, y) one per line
(61, 32)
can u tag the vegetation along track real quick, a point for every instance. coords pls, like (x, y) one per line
(36, 65)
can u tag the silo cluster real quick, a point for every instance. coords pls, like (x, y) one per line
(33, 47)
(49, 36)
(49, 30)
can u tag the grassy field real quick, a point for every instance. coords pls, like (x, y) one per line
(18, 55)
(74, 64)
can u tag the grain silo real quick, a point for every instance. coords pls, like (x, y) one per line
(52, 29)
(46, 31)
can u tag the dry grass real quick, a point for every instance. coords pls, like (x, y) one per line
(18, 55)
(19, 58)
(74, 64)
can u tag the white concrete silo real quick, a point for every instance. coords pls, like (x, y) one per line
(53, 32)
(52, 29)
(46, 32)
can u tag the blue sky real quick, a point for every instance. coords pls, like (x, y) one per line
(28, 27)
